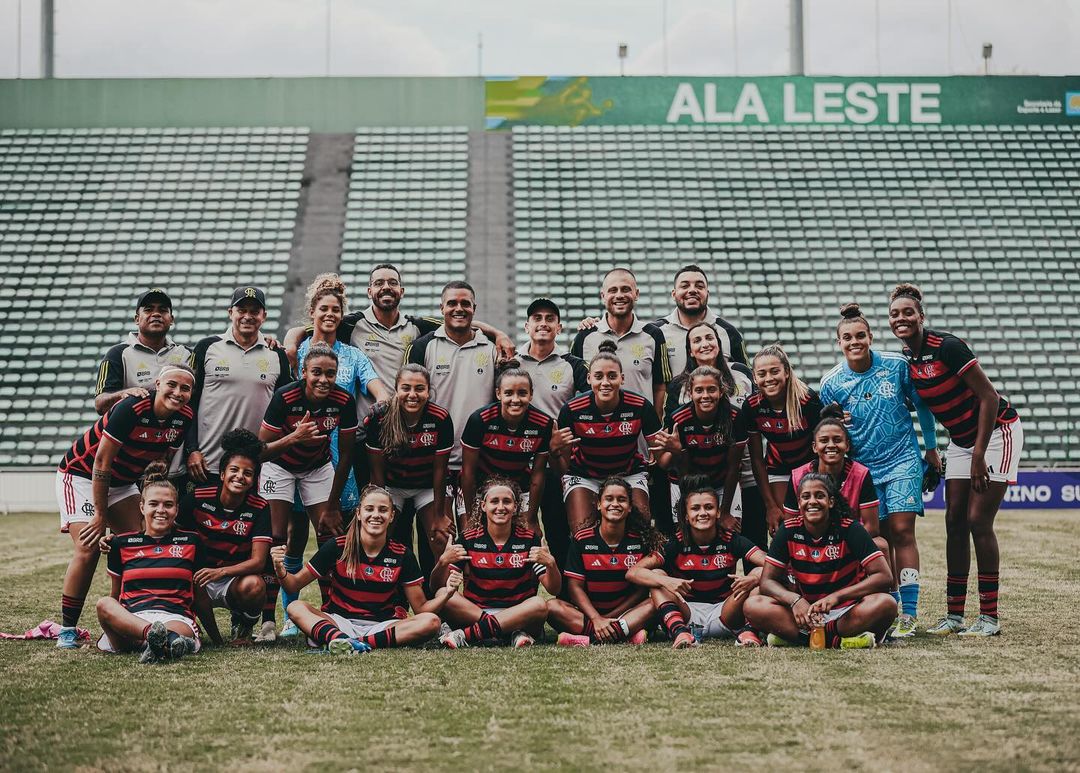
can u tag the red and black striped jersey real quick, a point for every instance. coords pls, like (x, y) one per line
(143, 438)
(503, 451)
(227, 535)
(609, 441)
(710, 567)
(375, 591)
(414, 466)
(936, 373)
(789, 446)
(856, 486)
(287, 408)
(822, 565)
(705, 448)
(500, 576)
(156, 572)
(603, 568)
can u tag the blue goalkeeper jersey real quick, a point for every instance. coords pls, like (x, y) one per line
(880, 402)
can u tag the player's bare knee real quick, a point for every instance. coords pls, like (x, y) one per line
(429, 623)
(297, 608)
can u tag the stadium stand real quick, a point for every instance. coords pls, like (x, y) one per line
(90, 217)
(794, 220)
(407, 205)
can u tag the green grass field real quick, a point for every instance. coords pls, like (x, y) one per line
(1007, 703)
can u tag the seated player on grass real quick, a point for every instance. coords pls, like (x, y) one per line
(841, 578)
(373, 580)
(504, 562)
(233, 523)
(604, 607)
(150, 606)
(695, 581)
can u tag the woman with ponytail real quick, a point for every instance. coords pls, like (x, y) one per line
(373, 581)
(510, 439)
(874, 394)
(986, 440)
(782, 413)
(841, 577)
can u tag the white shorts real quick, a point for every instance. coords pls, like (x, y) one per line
(218, 590)
(706, 617)
(736, 502)
(421, 497)
(834, 614)
(151, 616)
(277, 483)
(639, 481)
(356, 629)
(75, 496)
(1002, 455)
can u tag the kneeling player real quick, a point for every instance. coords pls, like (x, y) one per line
(604, 607)
(503, 562)
(234, 525)
(841, 578)
(150, 607)
(369, 575)
(697, 582)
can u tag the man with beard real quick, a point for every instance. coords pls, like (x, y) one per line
(461, 362)
(691, 295)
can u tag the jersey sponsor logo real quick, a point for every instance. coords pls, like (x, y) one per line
(832, 552)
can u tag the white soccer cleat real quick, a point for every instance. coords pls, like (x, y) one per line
(983, 626)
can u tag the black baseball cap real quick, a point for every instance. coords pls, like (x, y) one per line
(153, 295)
(241, 294)
(543, 303)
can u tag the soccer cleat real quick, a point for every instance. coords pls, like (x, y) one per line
(268, 632)
(572, 640)
(455, 640)
(639, 638)
(157, 640)
(683, 641)
(983, 626)
(181, 646)
(903, 628)
(290, 631)
(747, 637)
(241, 632)
(946, 626)
(862, 641)
(68, 639)
(773, 640)
(521, 639)
(444, 629)
(347, 647)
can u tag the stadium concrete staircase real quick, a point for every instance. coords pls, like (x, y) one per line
(90, 218)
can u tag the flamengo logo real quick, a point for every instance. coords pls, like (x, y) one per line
(386, 574)
(427, 439)
(517, 560)
(630, 561)
(176, 551)
(832, 552)
(626, 428)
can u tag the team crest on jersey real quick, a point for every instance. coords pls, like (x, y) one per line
(499, 560)
(626, 428)
(638, 350)
(386, 574)
(406, 339)
(369, 570)
(158, 550)
(262, 364)
(427, 439)
(172, 435)
(517, 560)
(526, 445)
(832, 552)
(614, 560)
(239, 527)
(705, 562)
(815, 554)
(886, 389)
(557, 376)
(481, 359)
(176, 551)
(721, 561)
(630, 561)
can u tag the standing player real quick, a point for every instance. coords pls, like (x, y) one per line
(985, 443)
(233, 524)
(691, 296)
(462, 367)
(556, 377)
(694, 586)
(841, 578)
(784, 413)
(598, 437)
(408, 445)
(503, 563)
(507, 439)
(373, 581)
(129, 368)
(639, 346)
(152, 572)
(877, 393)
(95, 483)
(604, 607)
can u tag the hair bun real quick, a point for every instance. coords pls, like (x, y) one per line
(328, 283)
(850, 311)
(156, 472)
(832, 411)
(609, 346)
(240, 439)
(505, 365)
(907, 289)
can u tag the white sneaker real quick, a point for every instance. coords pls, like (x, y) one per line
(983, 626)
(267, 634)
(946, 626)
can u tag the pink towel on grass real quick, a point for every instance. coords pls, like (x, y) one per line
(46, 629)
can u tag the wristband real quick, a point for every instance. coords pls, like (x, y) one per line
(796, 601)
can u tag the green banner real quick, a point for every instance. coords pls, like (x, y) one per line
(611, 101)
